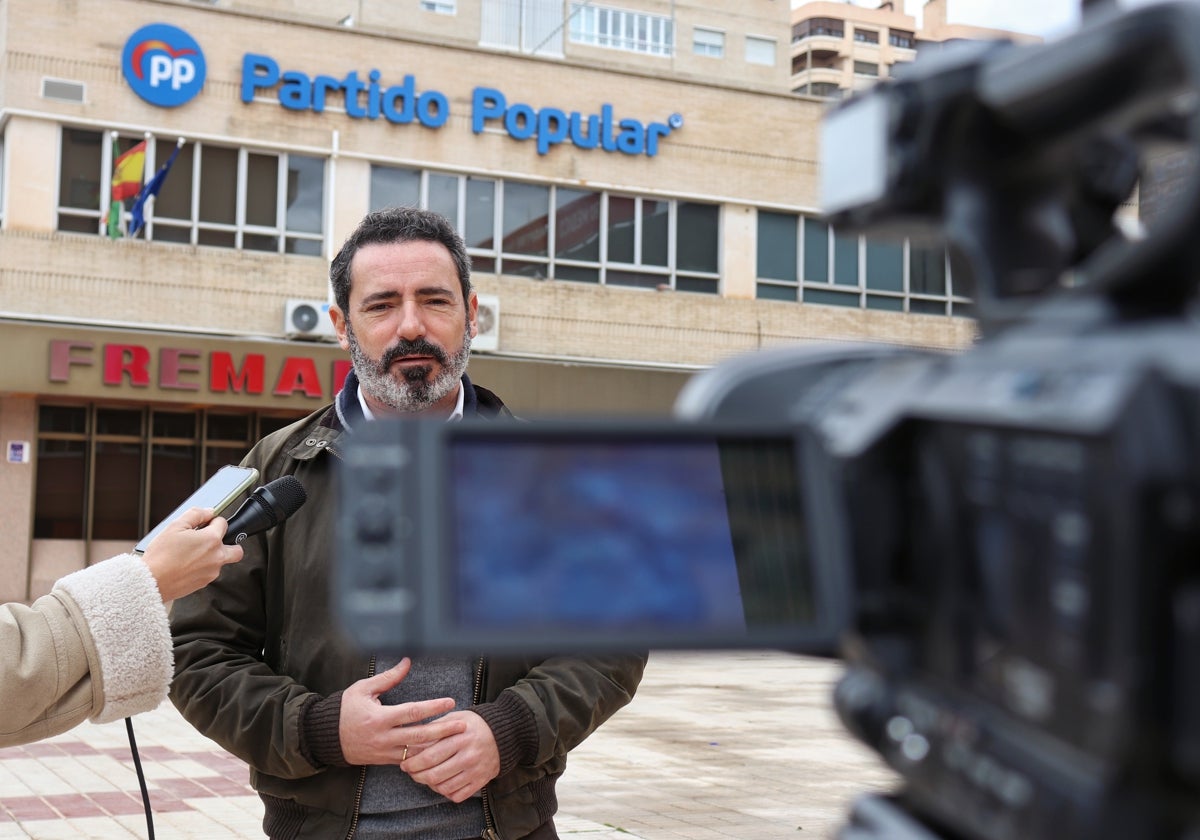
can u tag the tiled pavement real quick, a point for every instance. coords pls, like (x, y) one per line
(715, 746)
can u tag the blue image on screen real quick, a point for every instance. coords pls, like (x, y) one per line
(583, 536)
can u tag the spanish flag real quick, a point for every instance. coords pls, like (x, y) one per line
(128, 169)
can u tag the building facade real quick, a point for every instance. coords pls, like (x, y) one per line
(838, 48)
(635, 182)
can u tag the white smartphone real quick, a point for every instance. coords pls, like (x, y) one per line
(217, 493)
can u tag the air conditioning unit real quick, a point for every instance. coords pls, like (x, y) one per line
(487, 318)
(307, 319)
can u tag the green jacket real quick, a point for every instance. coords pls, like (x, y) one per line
(260, 664)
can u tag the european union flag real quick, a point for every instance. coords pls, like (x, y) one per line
(137, 213)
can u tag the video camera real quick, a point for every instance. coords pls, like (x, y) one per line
(1003, 545)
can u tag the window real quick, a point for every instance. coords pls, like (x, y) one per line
(528, 26)
(442, 7)
(866, 68)
(818, 27)
(3, 167)
(112, 473)
(760, 50)
(618, 29)
(902, 39)
(825, 90)
(804, 259)
(710, 42)
(866, 36)
(567, 233)
(214, 195)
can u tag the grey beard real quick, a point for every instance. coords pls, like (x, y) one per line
(412, 390)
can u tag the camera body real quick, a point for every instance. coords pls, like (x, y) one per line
(1002, 545)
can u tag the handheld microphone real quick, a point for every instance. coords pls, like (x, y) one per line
(267, 507)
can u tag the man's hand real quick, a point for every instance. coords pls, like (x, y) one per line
(372, 733)
(459, 765)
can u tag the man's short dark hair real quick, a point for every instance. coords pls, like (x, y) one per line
(398, 224)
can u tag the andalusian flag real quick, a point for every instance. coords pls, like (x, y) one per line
(128, 169)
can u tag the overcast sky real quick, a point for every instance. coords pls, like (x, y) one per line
(1037, 17)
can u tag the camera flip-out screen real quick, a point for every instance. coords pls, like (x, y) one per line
(571, 536)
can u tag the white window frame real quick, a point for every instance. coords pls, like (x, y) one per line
(708, 42)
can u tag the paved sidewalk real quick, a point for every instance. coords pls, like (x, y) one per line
(716, 746)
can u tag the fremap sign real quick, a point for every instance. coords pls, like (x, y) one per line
(165, 66)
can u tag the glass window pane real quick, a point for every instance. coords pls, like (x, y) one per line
(926, 271)
(777, 246)
(173, 424)
(174, 199)
(481, 213)
(62, 418)
(303, 247)
(526, 219)
(522, 268)
(576, 225)
(845, 259)
(577, 274)
(655, 222)
(620, 228)
(170, 233)
(79, 169)
(258, 242)
(216, 238)
(306, 194)
(816, 251)
(697, 238)
(769, 291)
(262, 181)
(828, 297)
(443, 196)
(394, 187)
(218, 174)
(228, 427)
(58, 508)
(116, 490)
(885, 266)
(927, 307)
(890, 304)
(704, 285)
(119, 421)
(173, 477)
(216, 457)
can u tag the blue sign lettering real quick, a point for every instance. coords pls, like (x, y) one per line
(551, 126)
(403, 104)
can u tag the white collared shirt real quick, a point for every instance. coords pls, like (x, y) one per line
(455, 415)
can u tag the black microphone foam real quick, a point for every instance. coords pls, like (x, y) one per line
(267, 507)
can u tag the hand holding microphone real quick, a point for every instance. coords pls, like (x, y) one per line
(192, 547)
(188, 554)
(267, 507)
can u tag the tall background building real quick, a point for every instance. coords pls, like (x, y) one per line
(636, 183)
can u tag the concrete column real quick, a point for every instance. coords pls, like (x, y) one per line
(18, 423)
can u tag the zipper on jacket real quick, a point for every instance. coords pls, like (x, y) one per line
(362, 777)
(489, 831)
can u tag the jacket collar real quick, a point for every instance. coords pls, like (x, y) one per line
(350, 414)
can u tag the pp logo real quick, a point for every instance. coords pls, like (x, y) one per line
(163, 64)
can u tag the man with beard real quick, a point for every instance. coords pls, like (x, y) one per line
(341, 743)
